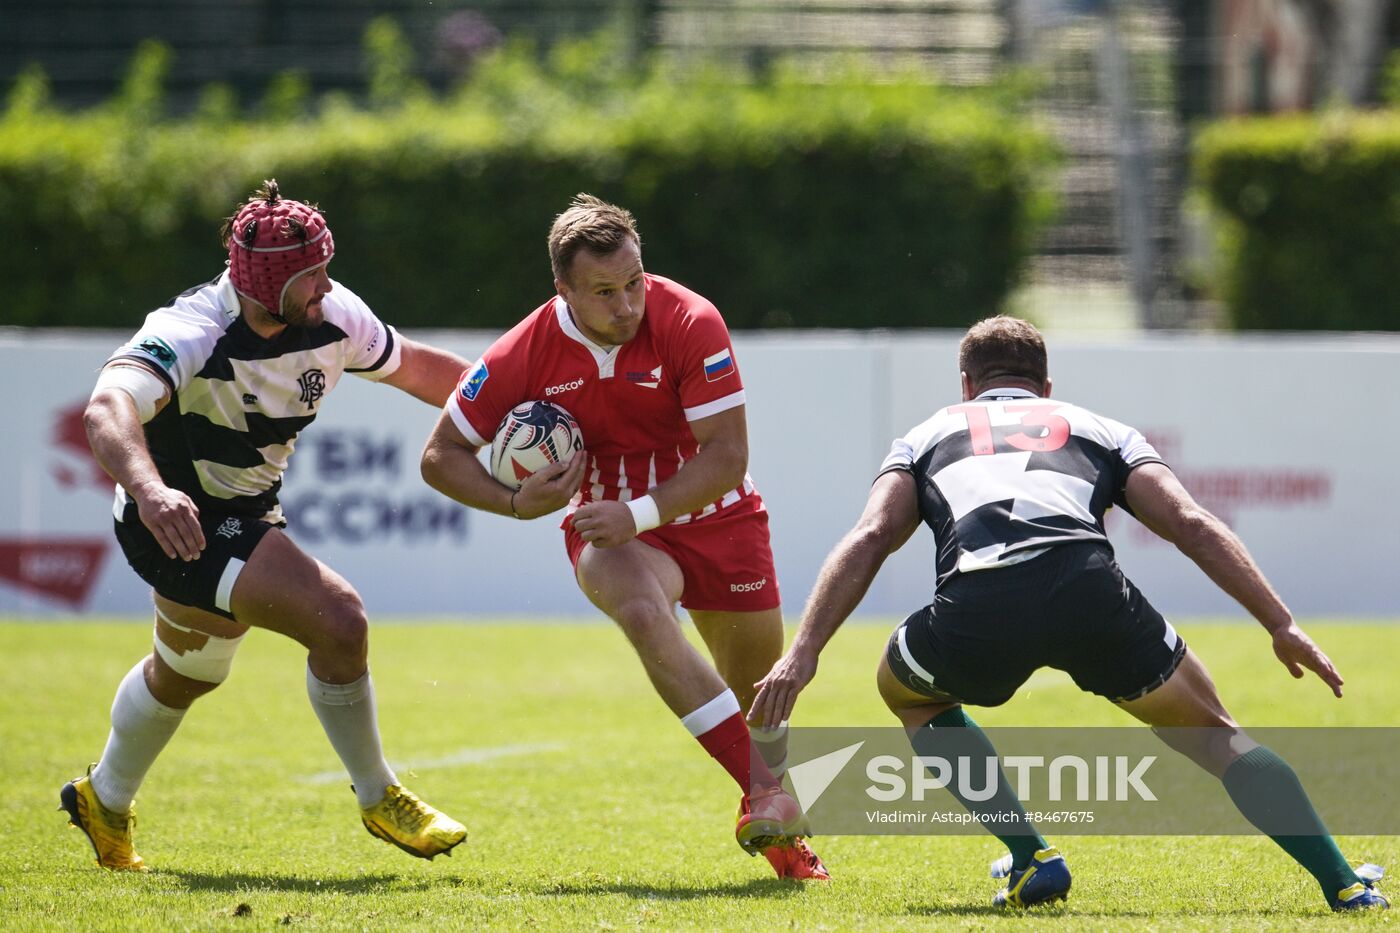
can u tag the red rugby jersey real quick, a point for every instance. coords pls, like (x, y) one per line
(634, 402)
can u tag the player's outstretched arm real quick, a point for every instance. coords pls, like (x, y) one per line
(720, 466)
(890, 517)
(450, 466)
(429, 374)
(1161, 503)
(114, 432)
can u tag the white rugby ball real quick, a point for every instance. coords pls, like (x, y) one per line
(530, 438)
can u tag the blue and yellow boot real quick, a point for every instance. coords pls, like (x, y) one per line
(1045, 879)
(1362, 895)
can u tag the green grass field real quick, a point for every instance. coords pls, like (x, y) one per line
(588, 805)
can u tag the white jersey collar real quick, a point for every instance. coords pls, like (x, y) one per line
(1005, 392)
(603, 356)
(227, 296)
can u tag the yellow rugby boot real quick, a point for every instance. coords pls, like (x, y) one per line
(107, 830)
(409, 823)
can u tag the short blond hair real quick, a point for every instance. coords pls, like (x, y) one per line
(1002, 347)
(589, 224)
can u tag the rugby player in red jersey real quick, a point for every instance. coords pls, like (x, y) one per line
(660, 506)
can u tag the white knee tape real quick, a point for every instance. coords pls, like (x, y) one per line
(194, 654)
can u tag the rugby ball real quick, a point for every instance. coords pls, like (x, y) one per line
(530, 438)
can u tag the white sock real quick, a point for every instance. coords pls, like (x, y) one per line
(141, 726)
(699, 721)
(348, 715)
(772, 745)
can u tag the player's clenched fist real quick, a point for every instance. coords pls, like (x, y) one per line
(550, 488)
(605, 524)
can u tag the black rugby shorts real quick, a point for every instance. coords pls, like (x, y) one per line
(1069, 608)
(205, 583)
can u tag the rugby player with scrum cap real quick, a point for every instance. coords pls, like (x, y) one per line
(195, 419)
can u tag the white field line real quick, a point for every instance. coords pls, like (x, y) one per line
(467, 756)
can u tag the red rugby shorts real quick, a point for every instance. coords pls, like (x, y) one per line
(726, 558)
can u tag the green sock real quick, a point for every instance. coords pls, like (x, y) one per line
(951, 735)
(1270, 796)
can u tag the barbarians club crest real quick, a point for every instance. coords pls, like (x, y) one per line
(313, 386)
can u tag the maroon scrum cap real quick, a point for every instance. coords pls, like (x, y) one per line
(272, 241)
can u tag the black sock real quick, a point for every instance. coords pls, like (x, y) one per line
(951, 735)
(1271, 797)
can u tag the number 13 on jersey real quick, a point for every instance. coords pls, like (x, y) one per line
(1043, 430)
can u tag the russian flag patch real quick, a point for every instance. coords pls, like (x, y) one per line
(719, 365)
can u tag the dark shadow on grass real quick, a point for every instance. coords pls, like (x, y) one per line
(1078, 910)
(242, 881)
(987, 910)
(756, 887)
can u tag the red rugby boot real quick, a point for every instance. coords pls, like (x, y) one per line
(796, 861)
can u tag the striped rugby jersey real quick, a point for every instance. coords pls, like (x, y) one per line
(1003, 477)
(239, 400)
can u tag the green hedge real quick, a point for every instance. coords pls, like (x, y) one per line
(844, 202)
(1312, 219)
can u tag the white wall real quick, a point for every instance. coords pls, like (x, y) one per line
(1291, 439)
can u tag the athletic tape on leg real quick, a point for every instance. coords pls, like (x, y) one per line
(195, 654)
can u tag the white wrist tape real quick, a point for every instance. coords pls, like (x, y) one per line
(144, 387)
(645, 513)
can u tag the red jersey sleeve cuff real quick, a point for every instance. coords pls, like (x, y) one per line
(459, 418)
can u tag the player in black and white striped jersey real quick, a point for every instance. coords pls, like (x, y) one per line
(244, 398)
(1007, 474)
(1014, 486)
(195, 418)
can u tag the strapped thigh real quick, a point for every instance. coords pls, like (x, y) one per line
(192, 653)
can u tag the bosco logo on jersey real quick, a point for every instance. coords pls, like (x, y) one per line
(532, 436)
